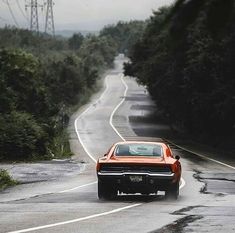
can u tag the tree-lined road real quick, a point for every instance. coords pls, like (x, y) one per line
(121, 111)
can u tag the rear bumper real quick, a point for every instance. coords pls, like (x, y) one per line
(121, 174)
(149, 182)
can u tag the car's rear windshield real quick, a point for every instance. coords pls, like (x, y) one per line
(137, 149)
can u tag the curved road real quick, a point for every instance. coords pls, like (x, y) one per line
(122, 111)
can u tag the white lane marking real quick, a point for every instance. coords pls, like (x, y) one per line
(75, 122)
(93, 159)
(78, 219)
(110, 121)
(117, 107)
(79, 137)
(78, 187)
(64, 191)
(183, 183)
(202, 156)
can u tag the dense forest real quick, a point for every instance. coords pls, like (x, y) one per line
(125, 34)
(186, 58)
(41, 79)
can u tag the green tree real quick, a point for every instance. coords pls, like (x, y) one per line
(125, 34)
(75, 41)
(21, 137)
(22, 87)
(185, 58)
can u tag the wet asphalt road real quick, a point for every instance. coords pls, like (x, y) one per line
(67, 201)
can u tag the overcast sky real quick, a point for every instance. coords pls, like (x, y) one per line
(83, 14)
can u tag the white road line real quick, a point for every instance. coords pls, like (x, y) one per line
(79, 137)
(117, 107)
(75, 122)
(183, 183)
(94, 160)
(110, 121)
(78, 187)
(202, 156)
(78, 219)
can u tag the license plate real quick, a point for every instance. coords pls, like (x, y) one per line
(136, 179)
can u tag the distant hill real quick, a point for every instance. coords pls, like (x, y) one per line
(69, 33)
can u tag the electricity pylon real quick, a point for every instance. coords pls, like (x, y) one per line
(49, 25)
(33, 5)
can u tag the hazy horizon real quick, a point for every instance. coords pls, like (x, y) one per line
(89, 15)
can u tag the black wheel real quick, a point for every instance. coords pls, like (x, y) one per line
(106, 192)
(173, 191)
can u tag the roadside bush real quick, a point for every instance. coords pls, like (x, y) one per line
(22, 138)
(6, 180)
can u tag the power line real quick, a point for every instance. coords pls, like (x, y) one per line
(34, 16)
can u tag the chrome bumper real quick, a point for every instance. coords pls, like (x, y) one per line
(118, 174)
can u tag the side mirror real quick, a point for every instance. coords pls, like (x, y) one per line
(177, 157)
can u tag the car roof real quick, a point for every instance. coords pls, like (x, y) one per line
(140, 142)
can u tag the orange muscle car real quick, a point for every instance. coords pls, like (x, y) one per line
(138, 167)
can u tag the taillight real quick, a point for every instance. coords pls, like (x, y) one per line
(174, 167)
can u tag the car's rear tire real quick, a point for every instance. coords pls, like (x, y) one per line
(106, 192)
(173, 191)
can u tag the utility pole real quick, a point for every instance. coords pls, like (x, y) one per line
(33, 5)
(49, 25)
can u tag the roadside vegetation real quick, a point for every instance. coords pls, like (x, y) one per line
(6, 180)
(41, 79)
(39, 84)
(186, 59)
